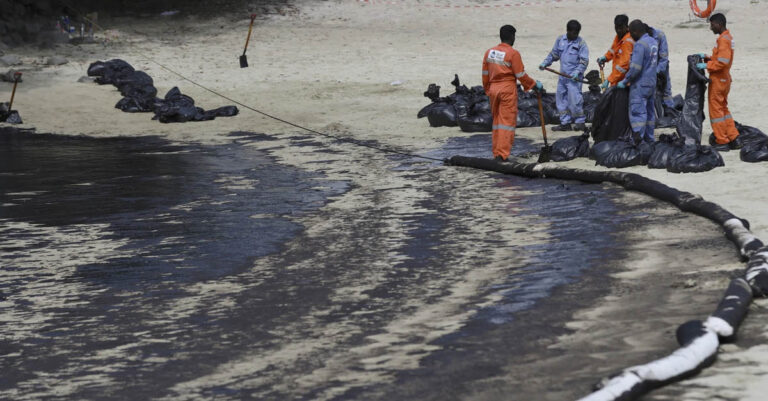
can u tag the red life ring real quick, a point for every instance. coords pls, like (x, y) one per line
(703, 14)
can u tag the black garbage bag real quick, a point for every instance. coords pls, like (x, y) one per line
(137, 104)
(569, 148)
(177, 107)
(755, 144)
(224, 111)
(528, 119)
(442, 114)
(591, 99)
(135, 82)
(620, 153)
(9, 116)
(695, 159)
(690, 122)
(755, 152)
(473, 122)
(611, 119)
(665, 149)
(108, 72)
(669, 118)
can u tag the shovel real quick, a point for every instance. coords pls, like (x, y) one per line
(16, 77)
(243, 58)
(569, 77)
(546, 151)
(602, 77)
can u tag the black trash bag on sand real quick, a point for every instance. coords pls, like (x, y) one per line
(755, 144)
(470, 122)
(569, 148)
(443, 111)
(695, 159)
(692, 116)
(620, 153)
(140, 95)
(665, 149)
(611, 120)
(178, 108)
(9, 116)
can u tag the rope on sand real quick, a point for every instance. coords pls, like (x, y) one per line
(698, 340)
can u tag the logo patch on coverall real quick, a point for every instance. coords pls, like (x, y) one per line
(495, 56)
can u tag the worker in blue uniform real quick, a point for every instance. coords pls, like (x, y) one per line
(641, 80)
(573, 54)
(662, 67)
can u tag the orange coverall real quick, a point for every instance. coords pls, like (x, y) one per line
(502, 67)
(719, 67)
(621, 53)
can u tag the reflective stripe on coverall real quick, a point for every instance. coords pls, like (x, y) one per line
(642, 80)
(662, 66)
(719, 67)
(574, 58)
(502, 68)
(620, 52)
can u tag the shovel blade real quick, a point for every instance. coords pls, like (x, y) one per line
(545, 154)
(243, 61)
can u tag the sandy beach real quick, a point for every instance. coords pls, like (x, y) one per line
(357, 69)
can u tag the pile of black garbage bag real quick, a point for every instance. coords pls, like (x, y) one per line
(670, 152)
(569, 148)
(470, 109)
(140, 95)
(755, 143)
(9, 116)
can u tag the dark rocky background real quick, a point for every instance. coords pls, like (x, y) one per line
(34, 21)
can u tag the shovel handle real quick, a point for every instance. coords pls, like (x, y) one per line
(541, 117)
(602, 76)
(250, 29)
(16, 77)
(565, 75)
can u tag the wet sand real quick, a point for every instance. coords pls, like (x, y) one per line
(673, 272)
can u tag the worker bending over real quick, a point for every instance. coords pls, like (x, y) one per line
(641, 80)
(662, 65)
(502, 68)
(620, 51)
(719, 67)
(573, 54)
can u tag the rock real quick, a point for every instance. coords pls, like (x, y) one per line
(56, 60)
(9, 60)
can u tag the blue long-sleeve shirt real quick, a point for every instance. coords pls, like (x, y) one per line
(573, 55)
(663, 49)
(642, 66)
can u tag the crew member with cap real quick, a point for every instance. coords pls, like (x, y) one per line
(620, 51)
(641, 80)
(662, 66)
(502, 68)
(719, 67)
(573, 53)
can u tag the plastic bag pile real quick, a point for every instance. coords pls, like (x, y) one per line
(470, 109)
(140, 95)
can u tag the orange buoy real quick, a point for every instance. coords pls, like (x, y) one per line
(703, 14)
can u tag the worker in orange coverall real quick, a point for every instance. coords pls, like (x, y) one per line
(620, 51)
(719, 68)
(502, 68)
